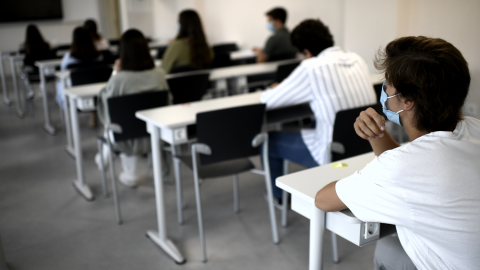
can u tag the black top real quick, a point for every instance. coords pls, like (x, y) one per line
(279, 44)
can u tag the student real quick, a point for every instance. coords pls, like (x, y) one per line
(82, 50)
(136, 73)
(36, 49)
(331, 80)
(429, 188)
(100, 42)
(190, 48)
(278, 46)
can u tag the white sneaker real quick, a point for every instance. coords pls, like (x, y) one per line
(127, 180)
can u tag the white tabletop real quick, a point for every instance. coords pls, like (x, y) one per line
(305, 184)
(185, 114)
(242, 54)
(245, 70)
(48, 63)
(84, 91)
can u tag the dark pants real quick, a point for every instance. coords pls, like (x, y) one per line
(390, 255)
(289, 146)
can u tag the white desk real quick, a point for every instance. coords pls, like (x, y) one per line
(242, 54)
(43, 66)
(303, 187)
(79, 97)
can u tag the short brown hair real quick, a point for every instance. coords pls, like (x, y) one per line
(430, 72)
(312, 35)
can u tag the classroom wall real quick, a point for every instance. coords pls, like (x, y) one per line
(74, 13)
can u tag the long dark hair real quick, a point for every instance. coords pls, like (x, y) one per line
(191, 28)
(82, 45)
(34, 41)
(134, 51)
(91, 27)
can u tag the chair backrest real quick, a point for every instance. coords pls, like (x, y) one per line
(225, 48)
(229, 132)
(90, 75)
(344, 133)
(122, 111)
(282, 56)
(188, 88)
(160, 51)
(180, 69)
(222, 59)
(283, 71)
(378, 90)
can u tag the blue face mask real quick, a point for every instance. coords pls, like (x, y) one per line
(392, 116)
(270, 27)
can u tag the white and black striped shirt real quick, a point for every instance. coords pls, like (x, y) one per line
(333, 81)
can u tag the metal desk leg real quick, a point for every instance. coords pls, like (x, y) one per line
(68, 125)
(160, 237)
(317, 228)
(43, 85)
(79, 184)
(6, 100)
(20, 113)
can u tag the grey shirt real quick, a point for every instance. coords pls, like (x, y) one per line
(279, 45)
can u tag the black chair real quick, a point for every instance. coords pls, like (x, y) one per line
(222, 59)
(180, 69)
(284, 70)
(188, 88)
(61, 48)
(160, 50)
(125, 126)
(225, 140)
(114, 41)
(96, 74)
(225, 48)
(378, 90)
(282, 56)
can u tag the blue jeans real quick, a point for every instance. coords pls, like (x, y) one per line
(289, 146)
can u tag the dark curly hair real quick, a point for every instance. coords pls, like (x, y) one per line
(312, 35)
(433, 74)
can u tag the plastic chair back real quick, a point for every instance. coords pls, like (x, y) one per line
(282, 56)
(122, 111)
(90, 75)
(180, 69)
(188, 88)
(229, 132)
(283, 71)
(225, 48)
(344, 133)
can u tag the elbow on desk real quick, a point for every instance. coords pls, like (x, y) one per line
(327, 199)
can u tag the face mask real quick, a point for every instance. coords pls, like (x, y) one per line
(270, 27)
(392, 116)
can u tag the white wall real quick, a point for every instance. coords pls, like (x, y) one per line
(244, 21)
(74, 13)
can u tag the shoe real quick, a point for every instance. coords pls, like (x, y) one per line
(128, 181)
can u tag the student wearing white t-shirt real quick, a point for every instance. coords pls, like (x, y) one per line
(430, 187)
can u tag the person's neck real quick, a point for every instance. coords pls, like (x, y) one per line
(414, 133)
(279, 27)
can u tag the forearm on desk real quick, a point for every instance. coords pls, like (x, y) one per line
(327, 199)
(383, 144)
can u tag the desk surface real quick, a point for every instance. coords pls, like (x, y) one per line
(305, 184)
(185, 114)
(84, 91)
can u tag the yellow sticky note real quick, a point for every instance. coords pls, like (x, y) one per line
(339, 165)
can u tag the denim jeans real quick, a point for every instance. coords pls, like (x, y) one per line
(289, 146)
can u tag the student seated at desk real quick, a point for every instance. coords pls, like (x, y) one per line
(330, 80)
(82, 50)
(278, 46)
(429, 188)
(36, 49)
(190, 49)
(100, 42)
(136, 73)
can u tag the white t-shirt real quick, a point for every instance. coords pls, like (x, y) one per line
(430, 189)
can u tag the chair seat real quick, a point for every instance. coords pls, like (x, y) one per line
(219, 169)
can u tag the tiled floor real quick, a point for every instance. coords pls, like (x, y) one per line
(46, 224)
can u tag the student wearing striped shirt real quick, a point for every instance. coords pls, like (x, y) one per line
(330, 80)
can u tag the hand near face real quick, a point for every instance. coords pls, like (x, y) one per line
(370, 125)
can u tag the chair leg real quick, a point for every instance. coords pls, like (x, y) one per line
(114, 184)
(102, 166)
(200, 218)
(235, 193)
(285, 196)
(334, 247)
(268, 185)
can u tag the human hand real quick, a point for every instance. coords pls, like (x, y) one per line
(273, 85)
(117, 65)
(256, 49)
(369, 124)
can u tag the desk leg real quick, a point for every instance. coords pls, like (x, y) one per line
(6, 100)
(79, 184)
(317, 228)
(221, 86)
(43, 85)
(68, 125)
(20, 113)
(160, 237)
